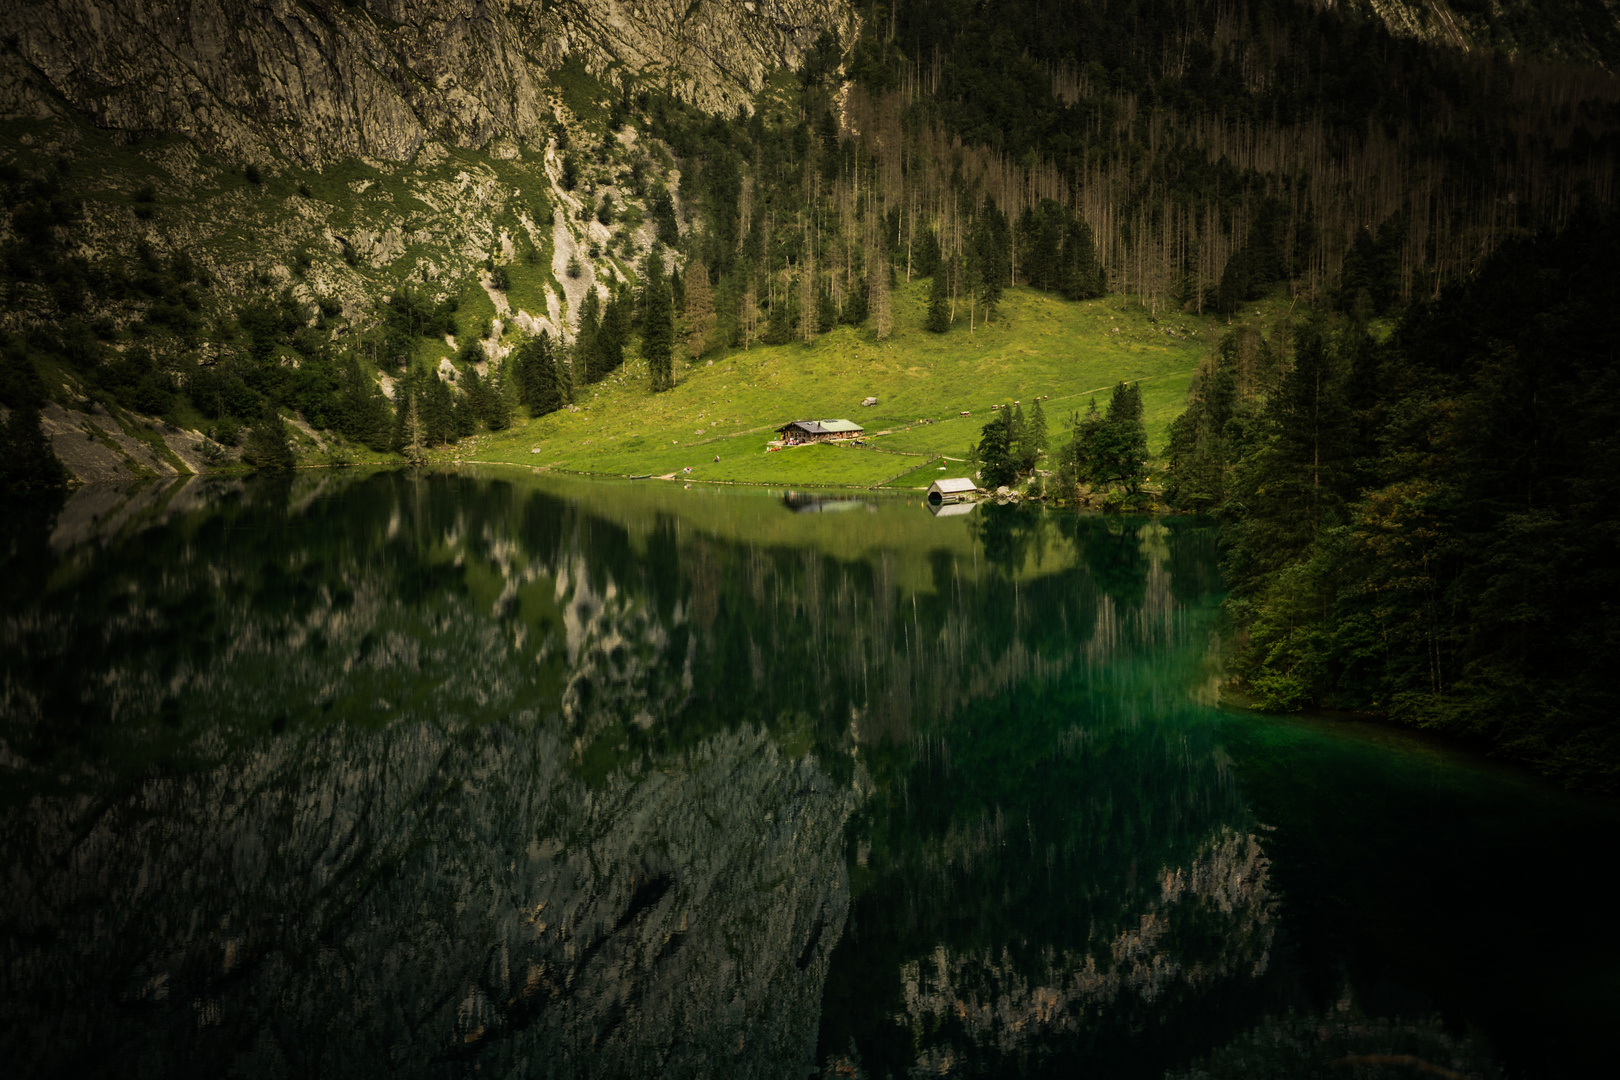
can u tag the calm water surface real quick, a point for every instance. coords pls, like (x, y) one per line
(434, 775)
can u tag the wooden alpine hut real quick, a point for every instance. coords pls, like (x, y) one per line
(810, 431)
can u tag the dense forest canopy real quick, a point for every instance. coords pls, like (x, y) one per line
(1426, 526)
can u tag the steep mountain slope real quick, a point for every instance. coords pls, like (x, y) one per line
(321, 81)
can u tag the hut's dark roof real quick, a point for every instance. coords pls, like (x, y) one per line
(824, 427)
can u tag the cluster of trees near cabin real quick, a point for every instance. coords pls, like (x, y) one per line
(1426, 526)
(1010, 445)
(1105, 448)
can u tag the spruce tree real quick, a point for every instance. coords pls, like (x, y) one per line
(27, 462)
(475, 391)
(1080, 275)
(826, 311)
(587, 356)
(855, 307)
(1023, 457)
(995, 451)
(1122, 456)
(1297, 479)
(925, 254)
(438, 409)
(537, 375)
(992, 248)
(465, 414)
(498, 412)
(658, 326)
(1113, 448)
(1075, 460)
(779, 322)
(615, 332)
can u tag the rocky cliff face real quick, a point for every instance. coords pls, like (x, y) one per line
(321, 80)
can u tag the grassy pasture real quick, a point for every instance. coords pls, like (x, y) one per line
(730, 407)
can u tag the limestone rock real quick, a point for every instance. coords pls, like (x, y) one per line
(323, 81)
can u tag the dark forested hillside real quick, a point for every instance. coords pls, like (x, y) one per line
(1219, 149)
(1427, 527)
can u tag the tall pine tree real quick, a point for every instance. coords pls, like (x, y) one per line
(658, 324)
(588, 367)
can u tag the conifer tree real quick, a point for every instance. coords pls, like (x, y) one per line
(855, 306)
(615, 331)
(700, 315)
(1080, 275)
(925, 255)
(826, 311)
(1298, 478)
(27, 462)
(415, 437)
(808, 317)
(779, 322)
(498, 412)
(438, 411)
(464, 414)
(587, 358)
(995, 451)
(748, 314)
(1075, 459)
(992, 251)
(476, 393)
(658, 326)
(539, 376)
(1023, 458)
(1037, 428)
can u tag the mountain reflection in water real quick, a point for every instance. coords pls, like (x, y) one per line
(401, 774)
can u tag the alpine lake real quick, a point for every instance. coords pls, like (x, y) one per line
(355, 774)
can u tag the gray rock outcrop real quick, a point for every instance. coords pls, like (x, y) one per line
(323, 81)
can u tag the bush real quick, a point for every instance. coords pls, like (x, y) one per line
(269, 443)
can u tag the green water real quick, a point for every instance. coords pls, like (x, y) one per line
(497, 774)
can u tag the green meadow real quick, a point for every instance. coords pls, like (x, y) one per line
(718, 419)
